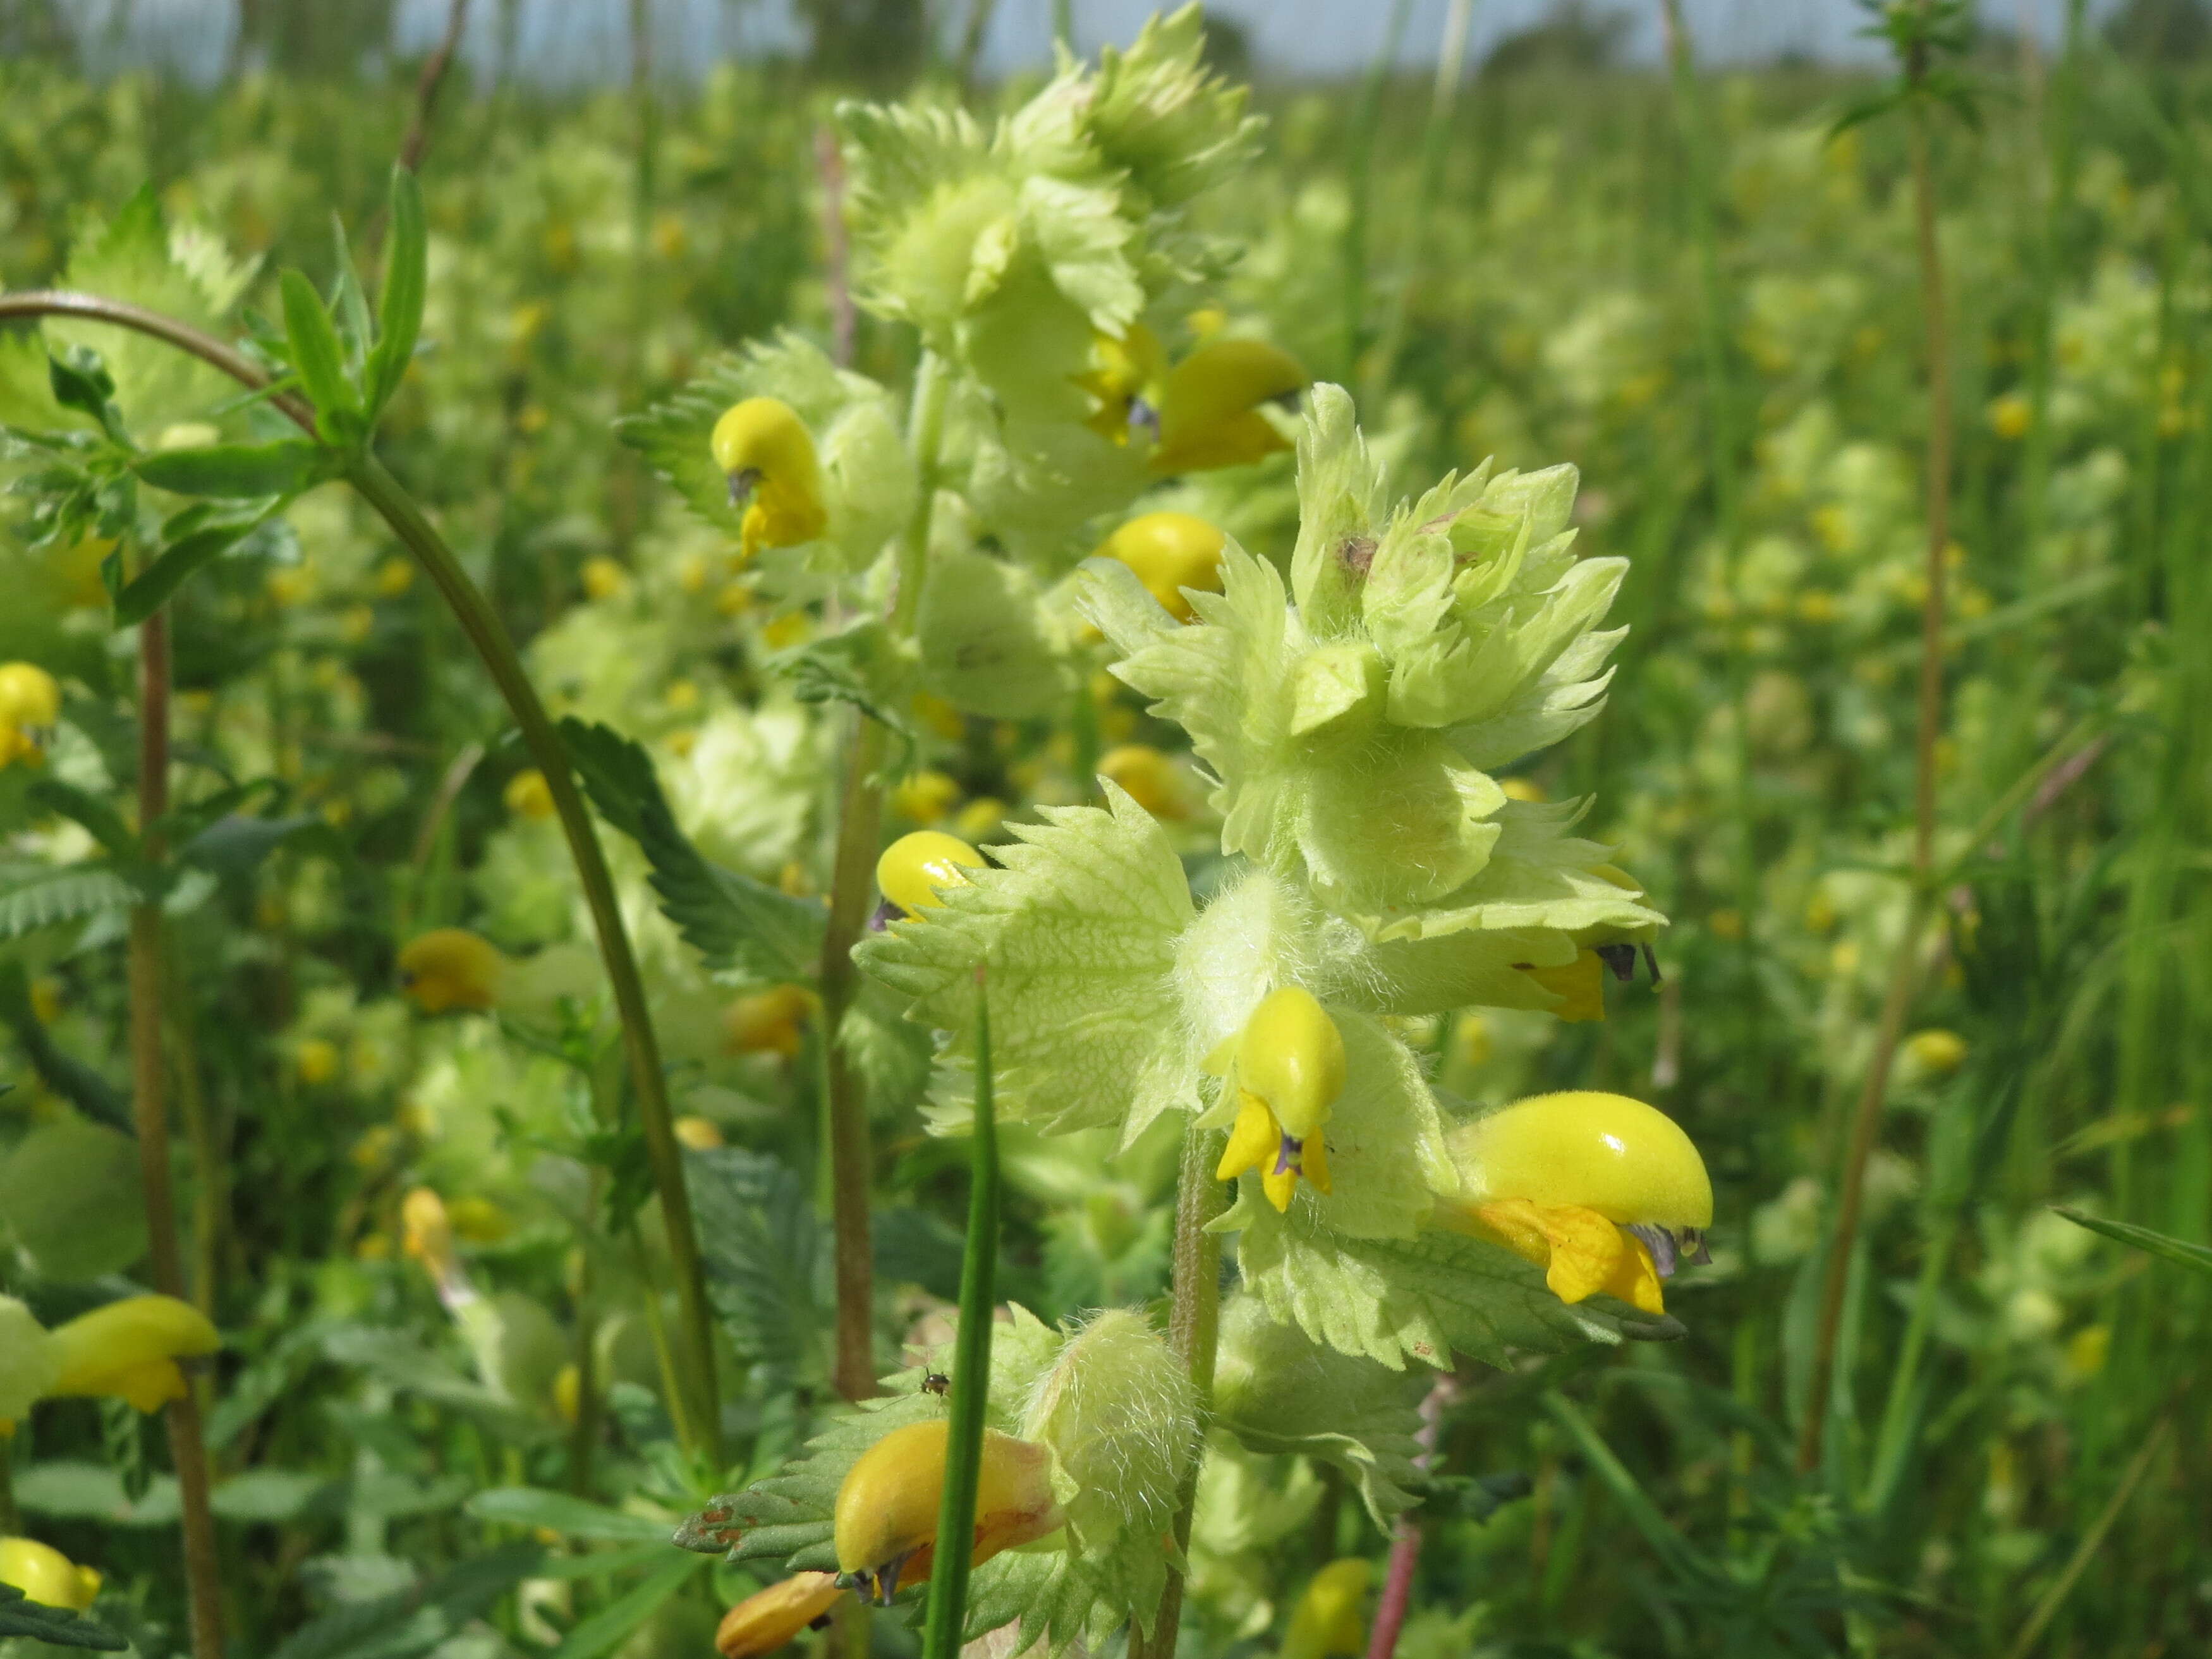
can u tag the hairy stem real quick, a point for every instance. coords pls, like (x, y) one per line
(1904, 973)
(1406, 1544)
(149, 1110)
(488, 634)
(1194, 1331)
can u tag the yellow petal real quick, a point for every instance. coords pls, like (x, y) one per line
(1586, 1252)
(128, 1348)
(1635, 1277)
(1252, 1142)
(451, 968)
(1291, 1055)
(1313, 1161)
(1279, 1186)
(913, 867)
(1580, 984)
(765, 1621)
(46, 1576)
(885, 1524)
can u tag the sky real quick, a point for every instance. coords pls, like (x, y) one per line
(565, 42)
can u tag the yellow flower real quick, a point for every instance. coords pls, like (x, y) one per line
(768, 1619)
(885, 1525)
(46, 1576)
(394, 577)
(529, 796)
(1148, 776)
(30, 699)
(981, 818)
(2011, 416)
(28, 1364)
(913, 868)
(1328, 1622)
(130, 1349)
(604, 577)
(699, 1133)
(765, 450)
(768, 1021)
(1603, 1191)
(1935, 1052)
(479, 1220)
(1284, 1070)
(788, 630)
(1169, 552)
(451, 968)
(1525, 789)
(427, 1234)
(926, 797)
(1580, 982)
(315, 1061)
(1202, 413)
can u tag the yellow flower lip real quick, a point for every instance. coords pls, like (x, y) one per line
(914, 866)
(885, 1523)
(1287, 1070)
(768, 1619)
(46, 1576)
(765, 450)
(130, 1349)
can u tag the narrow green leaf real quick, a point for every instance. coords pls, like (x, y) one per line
(241, 471)
(1684, 1559)
(971, 1366)
(572, 1518)
(319, 359)
(349, 305)
(612, 1625)
(399, 309)
(150, 590)
(2196, 1256)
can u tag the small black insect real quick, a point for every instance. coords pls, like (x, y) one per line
(936, 1382)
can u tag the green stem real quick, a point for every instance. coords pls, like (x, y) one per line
(489, 635)
(852, 883)
(664, 1154)
(149, 1110)
(971, 1363)
(1193, 1332)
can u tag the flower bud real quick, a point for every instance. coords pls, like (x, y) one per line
(1148, 776)
(46, 1576)
(769, 1021)
(451, 968)
(768, 1619)
(885, 1525)
(30, 699)
(913, 868)
(1329, 1621)
(528, 797)
(700, 1134)
(130, 1349)
(1169, 552)
(767, 453)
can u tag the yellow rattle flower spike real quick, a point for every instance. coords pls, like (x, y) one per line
(1286, 1072)
(767, 453)
(885, 1524)
(1602, 1192)
(768, 1619)
(913, 868)
(46, 1576)
(130, 1349)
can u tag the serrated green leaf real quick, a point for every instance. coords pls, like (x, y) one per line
(1278, 1391)
(1159, 116)
(63, 1627)
(40, 895)
(105, 823)
(67, 1076)
(399, 307)
(1078, 934)
(1424, 1299)
(241, 472)
(865, 664)
(235, 845)
(767, 1256)
(738, 925)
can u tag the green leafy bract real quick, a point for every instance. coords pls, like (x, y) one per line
(63, 1627)
(1078, 932)
(1278, 1391)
